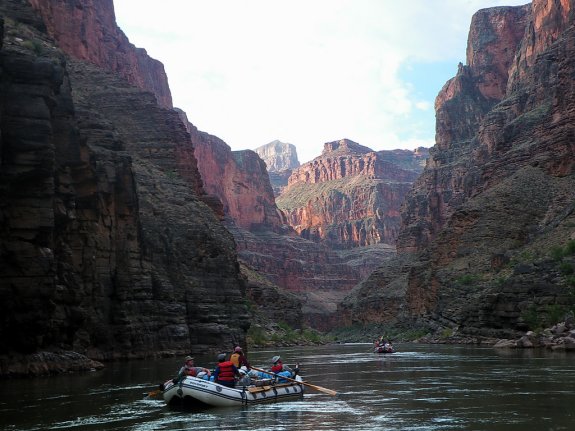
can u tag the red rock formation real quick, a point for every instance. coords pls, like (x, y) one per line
(87, 30)
(350, 195)
(238, 179)
(496, 195)
(460, 107)
(317, 275)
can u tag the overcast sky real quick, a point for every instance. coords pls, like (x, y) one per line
(306, 71)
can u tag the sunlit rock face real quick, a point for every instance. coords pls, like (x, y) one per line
(350, 196)
(239, 179)
(280, 159)
(494, 201)
(87, 30)
(278, 156)
(106, 247)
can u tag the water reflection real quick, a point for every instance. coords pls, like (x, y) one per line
(417, 388)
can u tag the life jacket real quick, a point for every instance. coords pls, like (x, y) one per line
(190, 371)
(226, 373)
(235, 359)
(277, 367)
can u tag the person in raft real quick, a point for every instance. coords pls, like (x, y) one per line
(225, 372)
(190, 370)
(282, 370)
(239, 359)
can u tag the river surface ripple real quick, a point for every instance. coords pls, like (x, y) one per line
(421, 387)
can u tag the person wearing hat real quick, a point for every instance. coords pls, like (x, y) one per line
(239, 359)
(278, 365)
(225, 372)
(282, 370)
(190, 370)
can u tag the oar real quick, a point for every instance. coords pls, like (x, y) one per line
(317, 388)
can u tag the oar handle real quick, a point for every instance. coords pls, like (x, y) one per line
(318, 388)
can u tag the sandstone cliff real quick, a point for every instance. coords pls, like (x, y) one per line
(483, 224)
(278, 156)
(106, 247)
(280, 159)
(318, 276)
(87, 30)
(239, 179)
(351, 195)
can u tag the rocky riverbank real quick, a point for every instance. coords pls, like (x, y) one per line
(46, 363)
(559, 337)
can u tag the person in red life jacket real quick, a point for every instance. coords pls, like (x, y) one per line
(277, 364)
(239, 359)
(278, 367)
(190, 370)
(225, 372)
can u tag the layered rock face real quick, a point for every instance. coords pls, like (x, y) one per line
(87, 30)
(239, 179)
(278, 156)
(304, 279)
(106, 247)
(318, 276)
(496, 197)
(350, 196)
(280, 159)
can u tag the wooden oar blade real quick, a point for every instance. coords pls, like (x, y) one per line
(152, 394)
(321, 389)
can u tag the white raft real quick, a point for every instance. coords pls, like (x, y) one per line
(192, 390)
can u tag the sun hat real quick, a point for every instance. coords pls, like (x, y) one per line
(276, 358)
(238, 349)
(189, 358)
(221, 357)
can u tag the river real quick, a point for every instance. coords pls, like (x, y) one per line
(420, 387)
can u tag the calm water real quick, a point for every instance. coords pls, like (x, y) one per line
(420, 387)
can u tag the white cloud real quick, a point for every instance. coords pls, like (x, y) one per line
(305, 72)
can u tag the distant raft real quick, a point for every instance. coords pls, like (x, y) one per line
(194, 391)
(384, 349)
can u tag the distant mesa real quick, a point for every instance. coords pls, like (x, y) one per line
(279, 156)
(344, 146)
(280, 159)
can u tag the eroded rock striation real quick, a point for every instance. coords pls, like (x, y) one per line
(239, 179)
(87, 30)
(350, 196)
(278, 156)
(495, 200)
(280, 159)
(107, 249)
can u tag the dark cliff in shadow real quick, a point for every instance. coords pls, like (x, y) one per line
(107, 247)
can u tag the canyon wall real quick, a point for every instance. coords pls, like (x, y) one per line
(87, 30)
(482, 226)
(107, 248)
(350, 196)
(278, 156)
(239, 179)
(280, 159)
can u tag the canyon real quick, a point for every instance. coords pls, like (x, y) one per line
(128, 233)
(483, 247)
(107, 249)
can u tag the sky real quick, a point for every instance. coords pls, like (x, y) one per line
(306, 72)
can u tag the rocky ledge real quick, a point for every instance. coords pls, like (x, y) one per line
(559, 337)
(45, 363)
